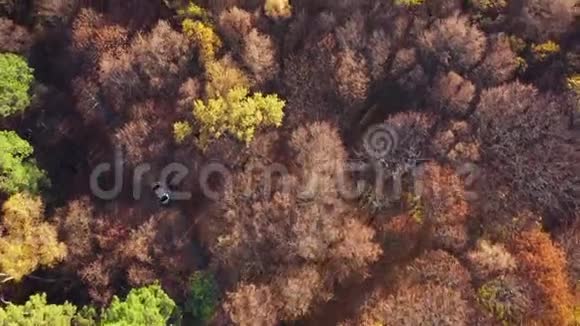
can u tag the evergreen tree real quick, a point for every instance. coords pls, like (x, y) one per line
(148, 305)
(18, 172)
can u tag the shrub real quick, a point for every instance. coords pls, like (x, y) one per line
(238, 114)
(202, 298)
(15, 81)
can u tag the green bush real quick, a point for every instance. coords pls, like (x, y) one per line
(203, 296)
(17, 171)
(36, 311)
(506, 298)
(15, 80)
(148, 305)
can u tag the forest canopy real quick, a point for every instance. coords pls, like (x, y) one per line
(289, 162)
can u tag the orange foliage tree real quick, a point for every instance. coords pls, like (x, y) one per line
(543, 264)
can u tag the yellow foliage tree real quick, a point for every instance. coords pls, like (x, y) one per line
(181, 130)
(238, 114)
(546, 49)
(574, 83)
(278, 8)
(223, 75)
(27, 242)
(204, 36)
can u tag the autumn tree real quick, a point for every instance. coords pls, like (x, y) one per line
(499, 64)
(543, 264)
(298, 220)
(406, 146)
(18, 171)
(434, 289)
(252, 305)
(541, 20)
(162, 57)
(75, 222)
(260, 55)
(309, 82)
(237, 113)
(507, 298)
(523, 138)
(153, 64)
(352, 77)
(125, 244)
(54, 12)
(223, 75)
(421, 304)
(452, 42)
(93, 35)
(569, 240)
(452, 94)
(489, 259)
(380, 47)
(13, 38)
(443, 197)
(235, 24)
(204, 37)
(352, 34)
(15, 82)
(28, 242)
